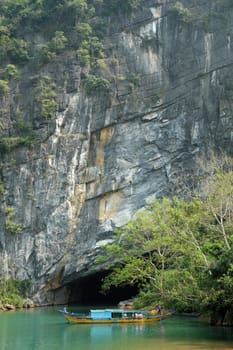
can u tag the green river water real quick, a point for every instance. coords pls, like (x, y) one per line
(46, 329)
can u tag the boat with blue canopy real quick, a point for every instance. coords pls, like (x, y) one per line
(112, 316)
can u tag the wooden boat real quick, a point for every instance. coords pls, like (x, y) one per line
(112, 316)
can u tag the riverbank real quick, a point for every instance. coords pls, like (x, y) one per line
(26, 304)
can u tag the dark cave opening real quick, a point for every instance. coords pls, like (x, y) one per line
(87, 291)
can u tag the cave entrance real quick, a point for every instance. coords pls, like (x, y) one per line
(86, 291)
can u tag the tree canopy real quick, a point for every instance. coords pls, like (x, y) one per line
(179, 252)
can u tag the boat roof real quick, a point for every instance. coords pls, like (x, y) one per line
(119, 310)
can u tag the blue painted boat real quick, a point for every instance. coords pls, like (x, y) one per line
(112, 316)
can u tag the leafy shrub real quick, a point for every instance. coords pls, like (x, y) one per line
(58, 42)
(83, 31)
(4, 43)
(48, 107)
(7, 144)
(18, 51)
(1, 187)
(89, 51)
(102, 64)
(13, 291)
(10, 71)
(4, 87)
(22, 127)
(83, 56)
(92, 84)
(183, 13)
(99, 26)
(11, 226)
(44, 55)
(46, 96)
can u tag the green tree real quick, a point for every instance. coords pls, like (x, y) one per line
(46, 96)
(11, 225)
(13, 291)
(180, 252)
(44, 54)
(18, 51)
(159, 251)
(93, 84)
(218, 198)
(83, 31)
(183, 14)
(4, 87)
(10, 71)
(58, 42)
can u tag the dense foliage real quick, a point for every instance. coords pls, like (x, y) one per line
(33, 34)
(179, 252)
(13, 291)
(65, 23)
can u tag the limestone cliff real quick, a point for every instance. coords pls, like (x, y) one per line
(104, 154)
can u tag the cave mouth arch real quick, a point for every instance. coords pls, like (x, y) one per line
(87, 291)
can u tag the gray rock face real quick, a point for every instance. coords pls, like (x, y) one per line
(103, 156)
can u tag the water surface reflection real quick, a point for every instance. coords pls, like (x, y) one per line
(46, 329)
(174, 334)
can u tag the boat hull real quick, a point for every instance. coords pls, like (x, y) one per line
(86, 320)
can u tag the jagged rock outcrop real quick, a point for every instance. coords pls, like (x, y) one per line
(103, 155)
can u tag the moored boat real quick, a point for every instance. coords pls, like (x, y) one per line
(112, 316)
